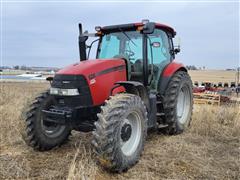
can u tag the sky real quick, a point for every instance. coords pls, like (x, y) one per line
(44, 33)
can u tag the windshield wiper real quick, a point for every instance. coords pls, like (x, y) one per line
(127, 36)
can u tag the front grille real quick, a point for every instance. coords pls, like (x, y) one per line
(71, 82)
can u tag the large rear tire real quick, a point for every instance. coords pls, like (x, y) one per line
(178, 103)
(120, 132)
(40, 134)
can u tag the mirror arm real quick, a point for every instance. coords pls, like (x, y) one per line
(91, 47)
(172, 51)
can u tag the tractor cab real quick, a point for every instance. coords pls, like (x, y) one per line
(146, 47)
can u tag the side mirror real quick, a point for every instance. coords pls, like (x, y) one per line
(148, 28)
(177, 50)
(177, 46)
(50, 79)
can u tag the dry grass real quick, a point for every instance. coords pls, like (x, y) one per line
(213, 76)
(210, 149)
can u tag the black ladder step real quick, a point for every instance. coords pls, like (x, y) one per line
(162, 126)
(158, 102)
(160, 114)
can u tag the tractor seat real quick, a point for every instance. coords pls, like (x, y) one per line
(137, 70)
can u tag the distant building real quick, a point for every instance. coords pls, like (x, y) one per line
(49, 69)
(230, 69)
(5, 67)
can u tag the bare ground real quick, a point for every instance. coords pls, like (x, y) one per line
(210, 149)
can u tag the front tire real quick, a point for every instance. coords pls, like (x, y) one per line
(178, 103)
(120, 132)
(40, 134)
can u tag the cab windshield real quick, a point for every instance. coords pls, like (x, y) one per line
(123, 43)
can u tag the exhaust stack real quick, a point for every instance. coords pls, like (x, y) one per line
(82, 44)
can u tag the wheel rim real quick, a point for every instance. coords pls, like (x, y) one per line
(183, 104)
(131, 140)
(51, 129)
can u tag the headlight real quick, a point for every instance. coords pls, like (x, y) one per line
(53, 90)
(64, 92)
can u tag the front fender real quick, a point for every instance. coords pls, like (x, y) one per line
(167, 74)
(137, 88)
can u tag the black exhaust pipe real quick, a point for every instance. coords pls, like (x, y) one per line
(82, 44)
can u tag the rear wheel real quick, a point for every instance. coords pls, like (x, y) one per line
(41, 134)
(120, 132)
(178, 103)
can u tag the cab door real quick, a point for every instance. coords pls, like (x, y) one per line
(159, 55)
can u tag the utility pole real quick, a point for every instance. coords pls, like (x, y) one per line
(238, 68)
(237, 81)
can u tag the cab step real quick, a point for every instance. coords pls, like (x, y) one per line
(159, 102)
(160, 114)
(161, 126)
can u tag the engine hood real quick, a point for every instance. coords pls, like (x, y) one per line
(100, 75)
(90, 67)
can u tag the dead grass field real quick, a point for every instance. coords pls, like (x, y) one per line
(210, 149)
(213, 76)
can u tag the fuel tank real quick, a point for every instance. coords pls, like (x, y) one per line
(99, 74)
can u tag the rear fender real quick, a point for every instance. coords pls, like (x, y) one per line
(167, 74)
(137, 88)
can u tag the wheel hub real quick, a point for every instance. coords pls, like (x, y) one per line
(126, 132)
(130, 133)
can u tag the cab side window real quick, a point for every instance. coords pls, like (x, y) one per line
(158, 47)
(110, 46)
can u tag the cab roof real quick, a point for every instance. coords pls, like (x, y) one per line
(134, 26)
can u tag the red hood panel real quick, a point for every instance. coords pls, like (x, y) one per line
(101, 75)
(91, 66)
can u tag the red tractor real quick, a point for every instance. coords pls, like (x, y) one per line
(132, 86)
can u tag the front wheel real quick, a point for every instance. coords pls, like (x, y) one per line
(120, 132)
(178, 103)
(41, 134)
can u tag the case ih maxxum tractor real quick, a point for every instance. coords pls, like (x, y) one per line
(132, 86)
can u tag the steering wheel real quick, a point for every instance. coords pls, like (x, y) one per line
(129, 53)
